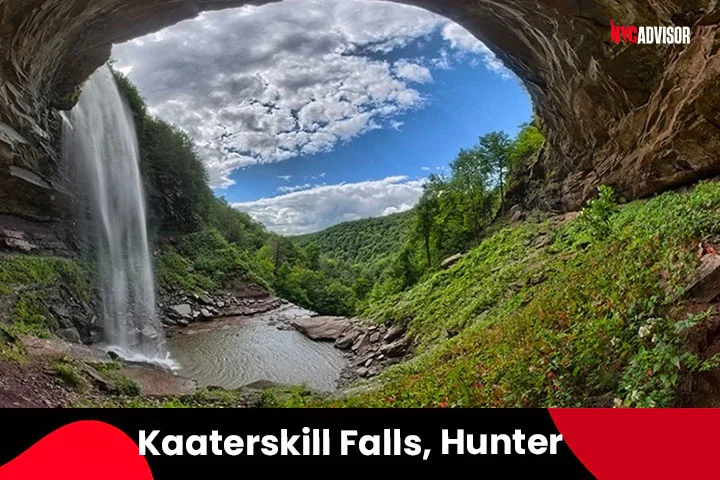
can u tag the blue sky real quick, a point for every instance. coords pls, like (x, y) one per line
(337, 114)
(462, 103)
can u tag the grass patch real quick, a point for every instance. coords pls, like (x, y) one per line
(27, 281)
(70, 375)
(11, 348)
(42, 272)
(203, 398)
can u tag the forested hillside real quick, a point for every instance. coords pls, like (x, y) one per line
(363, 241)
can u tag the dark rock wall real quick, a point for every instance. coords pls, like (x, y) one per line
(641, 118)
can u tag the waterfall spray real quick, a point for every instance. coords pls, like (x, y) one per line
(99, 139)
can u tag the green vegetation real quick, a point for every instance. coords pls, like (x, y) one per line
(204, 261)
(536, 316)
(203, 398)
(69, 374)
(360, 242)
(26, 282)
(453, 213)
(24, 270)
(125, 386)
(11, 348)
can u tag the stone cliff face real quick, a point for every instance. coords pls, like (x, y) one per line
(640, 118)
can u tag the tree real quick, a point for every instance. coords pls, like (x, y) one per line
(526, 144)
(426, 211)
(494, 152)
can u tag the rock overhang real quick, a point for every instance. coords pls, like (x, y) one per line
(642, 118)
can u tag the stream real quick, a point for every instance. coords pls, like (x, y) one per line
(234, 352)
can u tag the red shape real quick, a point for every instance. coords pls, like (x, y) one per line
(614, 32)
(617, 444)
(80, 451)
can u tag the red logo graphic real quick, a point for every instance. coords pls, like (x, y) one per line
(620, 33)
(80, 451)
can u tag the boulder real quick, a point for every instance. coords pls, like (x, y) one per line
(705, 287)
(322, 328)
(394, 333)
(205, 300)
(517, 214)
(205, 314)
(361, 342)
(69, 334)
(347, 340)
(183, 311)
(397, 348)
(102, 382)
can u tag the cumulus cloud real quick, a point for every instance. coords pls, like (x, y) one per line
(412, 72)
(322, 206)
(262, 84)
(462, 40)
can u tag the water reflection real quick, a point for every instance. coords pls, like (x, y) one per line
(235, 352)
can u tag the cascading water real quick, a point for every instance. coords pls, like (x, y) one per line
(99, 138)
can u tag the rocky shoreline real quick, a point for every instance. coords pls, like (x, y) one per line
(368, 348)
(181, 309)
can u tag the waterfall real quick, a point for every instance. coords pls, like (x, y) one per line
(100, 141)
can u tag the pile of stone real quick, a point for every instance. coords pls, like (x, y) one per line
(76, 319)
(369, 348)
(183, 309)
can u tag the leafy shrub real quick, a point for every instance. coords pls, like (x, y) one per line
(595, 218)
(653, 373)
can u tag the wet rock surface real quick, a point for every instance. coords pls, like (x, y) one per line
(322, 328)
(369, 348)
(157, 382)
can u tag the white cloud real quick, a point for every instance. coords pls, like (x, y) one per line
(425, 169)
(323, 206)
(294, 188)
(286, 178)
(462, 40)
(262, 84)
(412, 72)
(316, 177)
